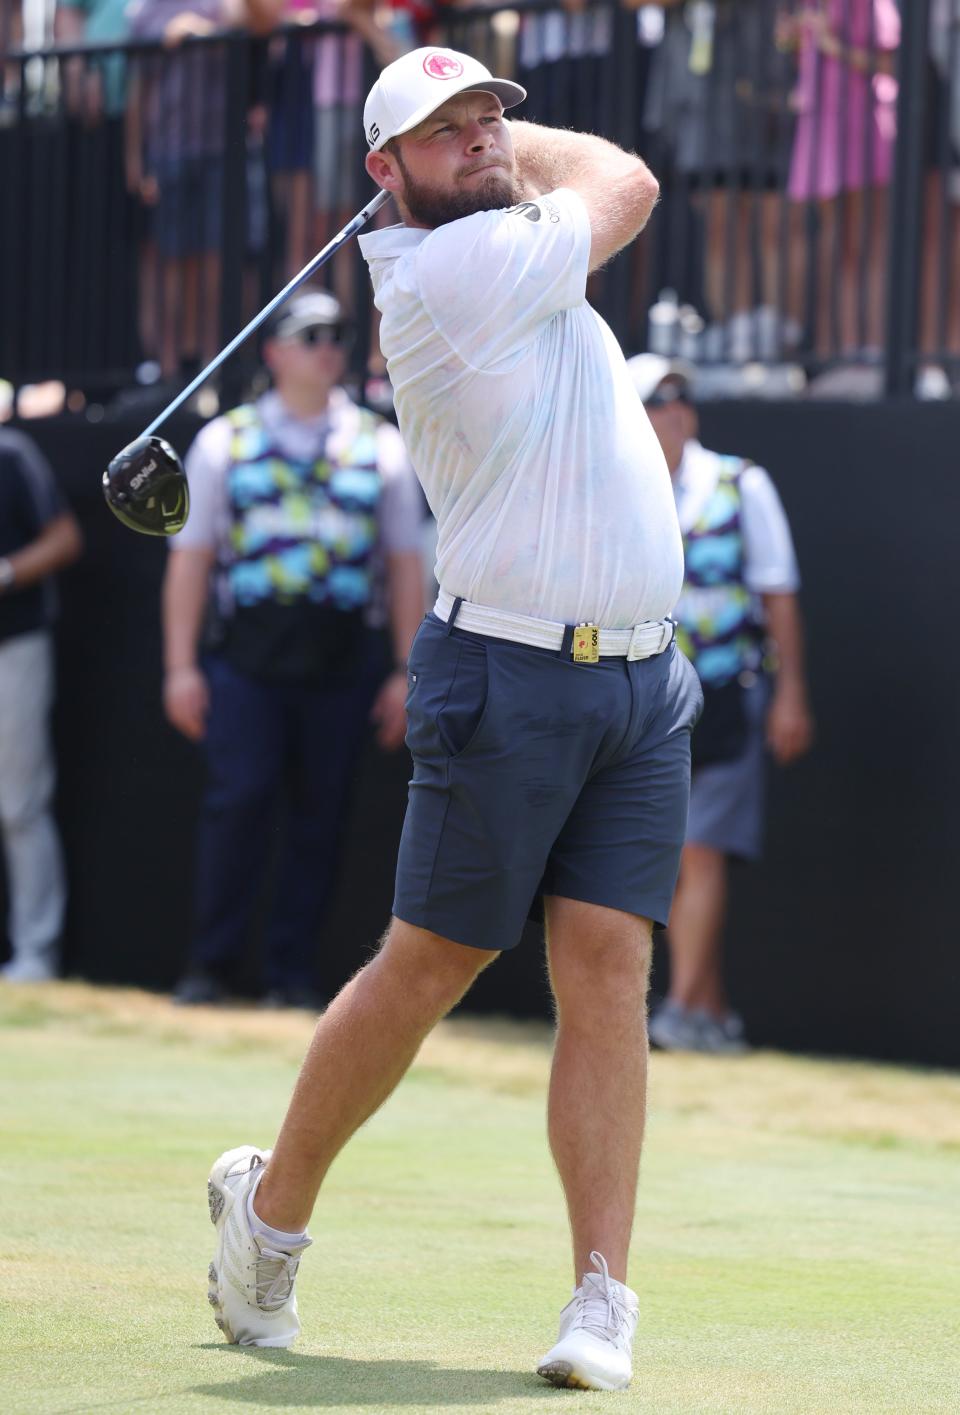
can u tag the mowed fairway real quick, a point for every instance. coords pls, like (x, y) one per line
(798, 1237)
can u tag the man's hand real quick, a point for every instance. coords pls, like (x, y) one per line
(389, 711)
(789, 725)
(186, 25)
(186, 701)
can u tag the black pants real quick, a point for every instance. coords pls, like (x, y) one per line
(267, 741)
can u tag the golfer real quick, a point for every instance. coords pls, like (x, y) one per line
(549, 711)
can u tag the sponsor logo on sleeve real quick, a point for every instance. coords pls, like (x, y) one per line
(533, 210)
(442, 66)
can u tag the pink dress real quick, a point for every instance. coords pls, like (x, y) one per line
(847, 121)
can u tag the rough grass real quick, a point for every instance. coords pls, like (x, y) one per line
(798, 1239)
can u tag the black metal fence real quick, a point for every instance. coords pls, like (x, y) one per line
(155, 193)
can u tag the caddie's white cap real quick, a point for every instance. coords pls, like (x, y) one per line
(411, 88)
(304, 311)
(648, 371)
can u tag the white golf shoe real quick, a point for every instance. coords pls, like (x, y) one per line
(596, 1335)
(251, 1285)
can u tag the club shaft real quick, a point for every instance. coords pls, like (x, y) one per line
(312, 266)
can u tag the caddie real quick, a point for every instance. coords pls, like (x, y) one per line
(549, 709)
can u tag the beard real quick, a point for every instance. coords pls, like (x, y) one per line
(432, 207)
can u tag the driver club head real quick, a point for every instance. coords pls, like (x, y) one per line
(145, 487)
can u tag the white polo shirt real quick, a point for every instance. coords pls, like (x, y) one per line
(550, 491)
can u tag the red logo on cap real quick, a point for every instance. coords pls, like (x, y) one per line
(442, 66)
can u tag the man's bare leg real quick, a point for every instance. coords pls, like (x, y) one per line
(599, 970)
(696, 931)
(363, 1045)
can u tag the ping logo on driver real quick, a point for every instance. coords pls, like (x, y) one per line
(137, 482)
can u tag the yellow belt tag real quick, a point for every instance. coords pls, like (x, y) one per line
(586, 643)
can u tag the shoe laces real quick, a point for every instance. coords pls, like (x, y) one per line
(276, 1273)
(276, 1270)
(601, 1306)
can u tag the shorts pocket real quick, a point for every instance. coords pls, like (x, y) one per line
(447, 696)
(461, 716)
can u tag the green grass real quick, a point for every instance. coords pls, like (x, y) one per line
(798, 1235)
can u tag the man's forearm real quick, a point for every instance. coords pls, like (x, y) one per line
(548, 158)
(406, 599)
(185, 590)
(785, 627)
(57, 546)
(617, 188)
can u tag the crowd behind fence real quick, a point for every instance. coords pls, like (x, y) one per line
(159, 187)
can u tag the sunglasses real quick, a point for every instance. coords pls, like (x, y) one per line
(666, 396)
(317, 336)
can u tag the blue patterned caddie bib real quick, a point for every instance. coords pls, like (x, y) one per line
(301, 531)
(719, 627)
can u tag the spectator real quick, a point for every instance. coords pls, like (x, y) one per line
(290, 136)
(11, 27)
(303, 504)
(38, 537)
(176, 144)
(338, 89)
(561, 64)
(737, 610)
(104, 253)
(846, 131)
(98, 88)
(11, 37)
(940, 262)
(417, 22)
(315, 90)
(717, 119)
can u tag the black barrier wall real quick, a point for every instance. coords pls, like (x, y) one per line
(846, 939)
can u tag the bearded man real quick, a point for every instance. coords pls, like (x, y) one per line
(549, 710)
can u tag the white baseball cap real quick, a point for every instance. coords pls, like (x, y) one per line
(413, 86)
(304, 311)
(648, 371)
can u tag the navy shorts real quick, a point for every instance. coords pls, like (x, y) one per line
(535, 775)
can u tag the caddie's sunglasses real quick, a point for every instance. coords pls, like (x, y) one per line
(320, 335)
(667, 394)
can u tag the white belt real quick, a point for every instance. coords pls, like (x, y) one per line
(642, 641)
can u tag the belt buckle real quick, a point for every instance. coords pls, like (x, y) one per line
(635, 652)
(586, 643)
(643, 632)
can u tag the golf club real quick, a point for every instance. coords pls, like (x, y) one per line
(145, 485)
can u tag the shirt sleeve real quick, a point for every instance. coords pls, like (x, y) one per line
(40, 488)
(206, 466)
(770, 563)
(492, 280)
(402, 505)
